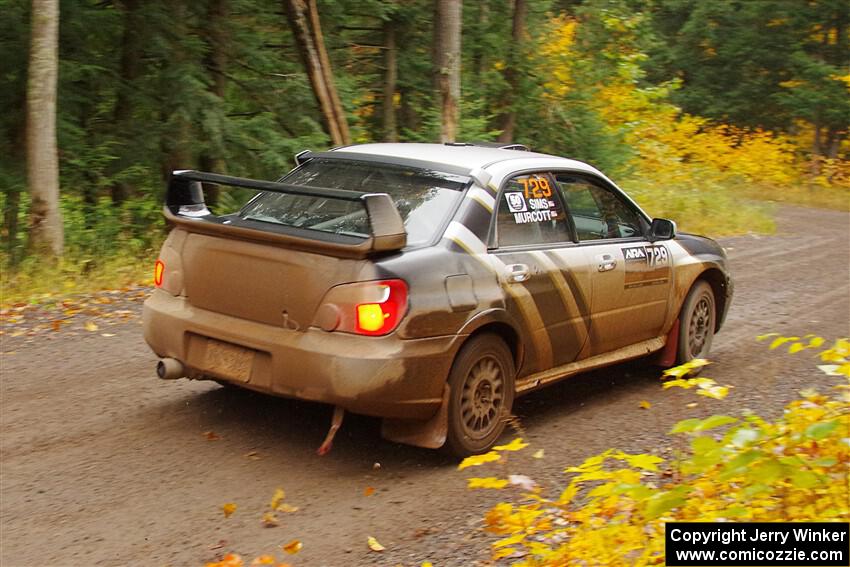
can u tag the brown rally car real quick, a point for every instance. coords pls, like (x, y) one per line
(425, 284)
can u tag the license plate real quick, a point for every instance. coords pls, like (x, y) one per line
(229, 360)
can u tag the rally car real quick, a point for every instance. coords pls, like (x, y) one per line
(426, 284)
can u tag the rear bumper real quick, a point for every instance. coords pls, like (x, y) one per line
(380, 376)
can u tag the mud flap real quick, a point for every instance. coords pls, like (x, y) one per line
(430, 434)
(336, 422)
(667, 356)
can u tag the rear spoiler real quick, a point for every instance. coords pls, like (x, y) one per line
(185, 206)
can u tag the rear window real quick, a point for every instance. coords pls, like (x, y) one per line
(424, 198)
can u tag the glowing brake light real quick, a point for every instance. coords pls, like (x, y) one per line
(158, 272)
(370, 317)
(382, 316)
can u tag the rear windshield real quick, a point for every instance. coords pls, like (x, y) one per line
(424, 198)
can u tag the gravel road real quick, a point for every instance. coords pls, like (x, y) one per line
(104, 464)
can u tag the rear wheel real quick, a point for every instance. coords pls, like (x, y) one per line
(482, 394)
(696, 324)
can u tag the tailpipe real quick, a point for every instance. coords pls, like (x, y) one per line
(170, 369)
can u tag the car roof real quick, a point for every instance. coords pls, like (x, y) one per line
(468, 157)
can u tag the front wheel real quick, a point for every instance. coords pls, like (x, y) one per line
(696, 323)
(481, 397)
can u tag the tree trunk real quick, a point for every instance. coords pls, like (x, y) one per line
(327, 71)
(311, 55)
(390, 81)
(131, 57)
(131, 51)
(46, 232)
(178, 151)
(216, 64)
(436, 50)
(507, 121)
(447, 40)
(479, 52)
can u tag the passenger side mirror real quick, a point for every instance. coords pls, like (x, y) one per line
(662, 229)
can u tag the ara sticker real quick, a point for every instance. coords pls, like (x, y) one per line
(649, 255)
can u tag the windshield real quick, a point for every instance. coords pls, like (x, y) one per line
(423, 198)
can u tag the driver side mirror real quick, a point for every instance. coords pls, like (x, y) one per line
(661, 229)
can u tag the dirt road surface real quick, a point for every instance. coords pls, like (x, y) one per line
(104, 464)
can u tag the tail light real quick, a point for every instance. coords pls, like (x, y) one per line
(381, 317)
(367, 308)
(158, 273)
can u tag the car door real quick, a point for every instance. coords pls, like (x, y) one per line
(631, 277)
(542, 269)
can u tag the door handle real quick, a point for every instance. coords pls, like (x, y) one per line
(517, 273)
(606, 262)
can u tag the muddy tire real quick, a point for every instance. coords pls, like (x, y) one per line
(482, 394)
(696, 324)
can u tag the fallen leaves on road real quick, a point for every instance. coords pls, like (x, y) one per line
(278, 505)
(229, 560)
(538, 454)
(488, 482)
(228, 509)
(374, 545)
(90, 312)
(277, 498)
(515, 445)
(234, 560)
(476, 460)
(645, 404)
(211, 436)
(292, 547)
(368, 491)
(270, 520)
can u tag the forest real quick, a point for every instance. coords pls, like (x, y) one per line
(705, 112)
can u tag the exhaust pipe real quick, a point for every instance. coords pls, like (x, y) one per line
(170, 369)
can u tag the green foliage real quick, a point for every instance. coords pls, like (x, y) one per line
(150, 86)
(761, 63)
(614, 506)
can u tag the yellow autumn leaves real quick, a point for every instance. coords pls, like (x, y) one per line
(615, 504)
(477, 460)
(270, 519)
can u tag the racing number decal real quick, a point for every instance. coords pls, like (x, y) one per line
(536, 187)
(646, 265)
(659, 255)
(535, 195)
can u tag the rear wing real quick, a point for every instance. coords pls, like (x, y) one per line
(185, 206)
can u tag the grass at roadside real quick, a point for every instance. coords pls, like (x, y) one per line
(36, 282)
(708, 208)
(836, 198)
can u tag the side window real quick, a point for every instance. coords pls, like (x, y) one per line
(530, 212)
(597, 212)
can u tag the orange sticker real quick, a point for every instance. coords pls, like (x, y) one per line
(536, 187)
